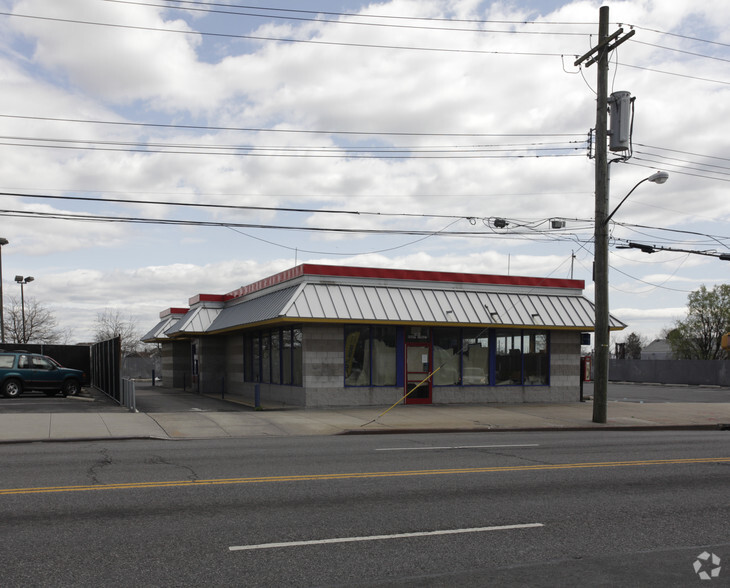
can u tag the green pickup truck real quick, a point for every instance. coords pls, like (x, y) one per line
(21, 371)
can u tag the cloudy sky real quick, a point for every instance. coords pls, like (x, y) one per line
(154, 150)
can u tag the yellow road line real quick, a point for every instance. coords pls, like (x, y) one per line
(358, 475)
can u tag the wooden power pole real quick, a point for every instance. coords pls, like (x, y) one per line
(599, 54)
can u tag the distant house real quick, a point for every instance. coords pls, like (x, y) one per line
(318, 335)
(657, 349)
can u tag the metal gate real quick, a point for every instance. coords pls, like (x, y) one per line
(106, 367)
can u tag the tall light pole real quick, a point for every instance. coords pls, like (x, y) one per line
(3, 241)
(22, 281)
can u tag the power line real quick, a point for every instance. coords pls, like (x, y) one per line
(693, 54)
(282, 39)
(457, 152)
(534, 146)
(648, 283)
(682, 152)
(251, 153)
(676, 169)
(380, 16)
(288, 15)
(670, 73)
(278, 130)
(695, 165)
(677, 35)
(230, 206)
(227, 224)
(509, 230)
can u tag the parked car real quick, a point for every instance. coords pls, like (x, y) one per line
(21, 371)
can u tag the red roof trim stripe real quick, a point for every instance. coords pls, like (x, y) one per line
(401, 274)
(171, 311)
(207, 298)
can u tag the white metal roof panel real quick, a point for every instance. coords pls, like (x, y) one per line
(197, 320)
(157, 333)
(397, 304)
(404, 304)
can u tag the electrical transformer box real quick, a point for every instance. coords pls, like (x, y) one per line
(620, 130)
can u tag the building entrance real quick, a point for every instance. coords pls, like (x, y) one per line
(418, 369)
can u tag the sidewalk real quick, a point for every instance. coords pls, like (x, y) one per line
(195, 423)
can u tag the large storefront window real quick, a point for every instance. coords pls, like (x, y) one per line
(535, 349)
(476, 357)
(266, 357)
(383, 366)
(274, 356)
(508, 343)
(296, 354)
(370, 356)
(256, 359)
(357, 371)
(447, 356)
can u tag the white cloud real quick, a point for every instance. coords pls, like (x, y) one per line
(51, 69)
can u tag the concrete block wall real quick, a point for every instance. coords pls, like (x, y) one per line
(564, 370)
(176, 364)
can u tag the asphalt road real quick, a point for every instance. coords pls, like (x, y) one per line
(501, 509)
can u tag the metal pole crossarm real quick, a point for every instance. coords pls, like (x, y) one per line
(611, 47)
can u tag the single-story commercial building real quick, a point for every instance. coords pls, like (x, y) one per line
(325, 336)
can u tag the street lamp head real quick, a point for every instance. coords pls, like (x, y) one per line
(3, 241)
(18, 279)
(29, 279)
(659, 177)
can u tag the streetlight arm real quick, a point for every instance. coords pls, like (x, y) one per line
(658, 178)
(608, 218)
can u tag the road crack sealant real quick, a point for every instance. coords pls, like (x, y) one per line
(157, 460)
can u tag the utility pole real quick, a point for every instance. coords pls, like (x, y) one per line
(600, 270)
(599, 54)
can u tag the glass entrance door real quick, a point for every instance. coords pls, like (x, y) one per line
(418, 368)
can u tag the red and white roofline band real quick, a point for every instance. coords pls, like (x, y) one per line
(378, 273)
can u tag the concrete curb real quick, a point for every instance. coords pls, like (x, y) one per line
(393, 431)
(401, 431)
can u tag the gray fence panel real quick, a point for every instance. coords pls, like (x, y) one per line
(695, 372)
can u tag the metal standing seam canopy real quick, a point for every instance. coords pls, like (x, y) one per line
(311, 301)
(197, 320)
(157, 333)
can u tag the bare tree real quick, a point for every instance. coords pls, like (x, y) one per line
(110, 324)
(40, 323)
